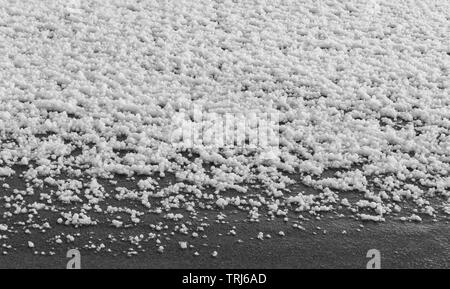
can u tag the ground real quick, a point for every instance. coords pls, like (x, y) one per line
(401, 246)
(222, 133)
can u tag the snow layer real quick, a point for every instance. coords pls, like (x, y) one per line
(91, 92)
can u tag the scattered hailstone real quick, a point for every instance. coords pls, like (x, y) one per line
(447, 209)
(260, 236)
(221, 203)
(415, 218)
(214, 254)
(117, 223)
(183, 245)
(6, 172)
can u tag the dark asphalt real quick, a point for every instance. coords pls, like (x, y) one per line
(408, 245)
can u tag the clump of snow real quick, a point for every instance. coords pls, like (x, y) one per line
(183, 245)
(117, 223)
(6, 172)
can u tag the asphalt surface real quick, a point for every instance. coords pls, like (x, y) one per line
(402, 245)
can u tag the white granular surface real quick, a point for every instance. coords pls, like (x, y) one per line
(88, 91)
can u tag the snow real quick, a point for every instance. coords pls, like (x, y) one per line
(117, 223)
(183, 245)
(112, 113)
(6, 172)
(221, 203)
(260, 236)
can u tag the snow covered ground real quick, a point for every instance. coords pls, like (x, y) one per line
(94, 97)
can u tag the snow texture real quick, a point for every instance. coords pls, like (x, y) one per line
(90, 91)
